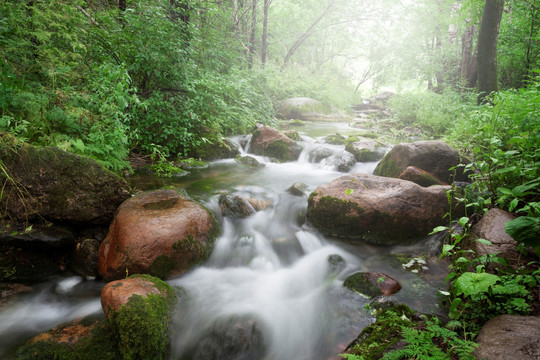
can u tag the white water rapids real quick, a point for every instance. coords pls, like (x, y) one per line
(267, 292)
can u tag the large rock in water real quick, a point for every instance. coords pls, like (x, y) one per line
(57, 185)
(509, 337)
(159, 233)
(304, 108)
(436, 157)
(377, 209)
(139, 310)
(268, 141)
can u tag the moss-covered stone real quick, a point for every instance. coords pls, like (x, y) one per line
(215, 147)
(141, 325)
(323, 218)
(98, 343)
(361, 284)
(381, 336)
(335, 139)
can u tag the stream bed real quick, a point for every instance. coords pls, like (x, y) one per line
(268, 282)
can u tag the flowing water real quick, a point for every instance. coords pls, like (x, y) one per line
(268, 291)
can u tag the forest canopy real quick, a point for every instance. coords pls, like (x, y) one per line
(106, 78)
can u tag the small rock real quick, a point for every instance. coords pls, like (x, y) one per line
(318, 154)
(346, 162)
(298, 189)
(235, 206)
(372, 284)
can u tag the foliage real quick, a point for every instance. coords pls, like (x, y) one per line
(503, 139)
(425, 338)
(435, 114)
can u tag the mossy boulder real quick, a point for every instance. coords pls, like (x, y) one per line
(55, 185)
(335, 139)
(87, 339)
(215, 147)
(377, 209)
(363, 149)
(435, 157)
(159, 233)
(372, 284)
(139, 310)
(384, 334)
(270, 142)
(249, 161)
(235, 206)
(308, 109)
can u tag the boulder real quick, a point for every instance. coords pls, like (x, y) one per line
(49, 183)
(89, 338)
(304, 108)
(249, 161)
(215, 148)
(364, 150)
(20, 265)
(419, 176)
(292, 134)
(159, 233)
(346, 162)
(235, 206)
(270, 142)
(509, 337)
(335, 139)
(318, 154)
(85, 258)
(139, 310)
(298, 189)
(377, 209)
(372, 284)
(491, 228)
(434, 156)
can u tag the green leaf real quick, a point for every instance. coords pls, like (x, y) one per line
(470, 283)
(439, 229)
(524, 229)
(484, 241)
(349, 191)
(513, 204)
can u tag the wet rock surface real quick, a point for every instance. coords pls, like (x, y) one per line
(377, 209)
(159, 233)
(270, 142)
(372, 284)
(435, 157)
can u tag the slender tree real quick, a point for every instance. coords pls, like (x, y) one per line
(487, 48)
(264, 45)
(253, 27)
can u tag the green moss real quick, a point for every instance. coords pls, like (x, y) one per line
(381, 336)
(278, 149)
(162, 266)
(141, 325)
(360, 283)
(99, 345)
(336, 139)
(387, 167)
(324, 216)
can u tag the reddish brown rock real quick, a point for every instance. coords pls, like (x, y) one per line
(69, 333)
(117, 293)
(420, 177)
(268, 141)
(377, 209)
(372, 284)
(159, 233)
(435, 157)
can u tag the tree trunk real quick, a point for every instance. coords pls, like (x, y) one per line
(252, 34)
(305, 35)
(264, 45)
(487, 48)
(467, 54)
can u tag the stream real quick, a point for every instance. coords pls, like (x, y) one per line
(268, 282)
